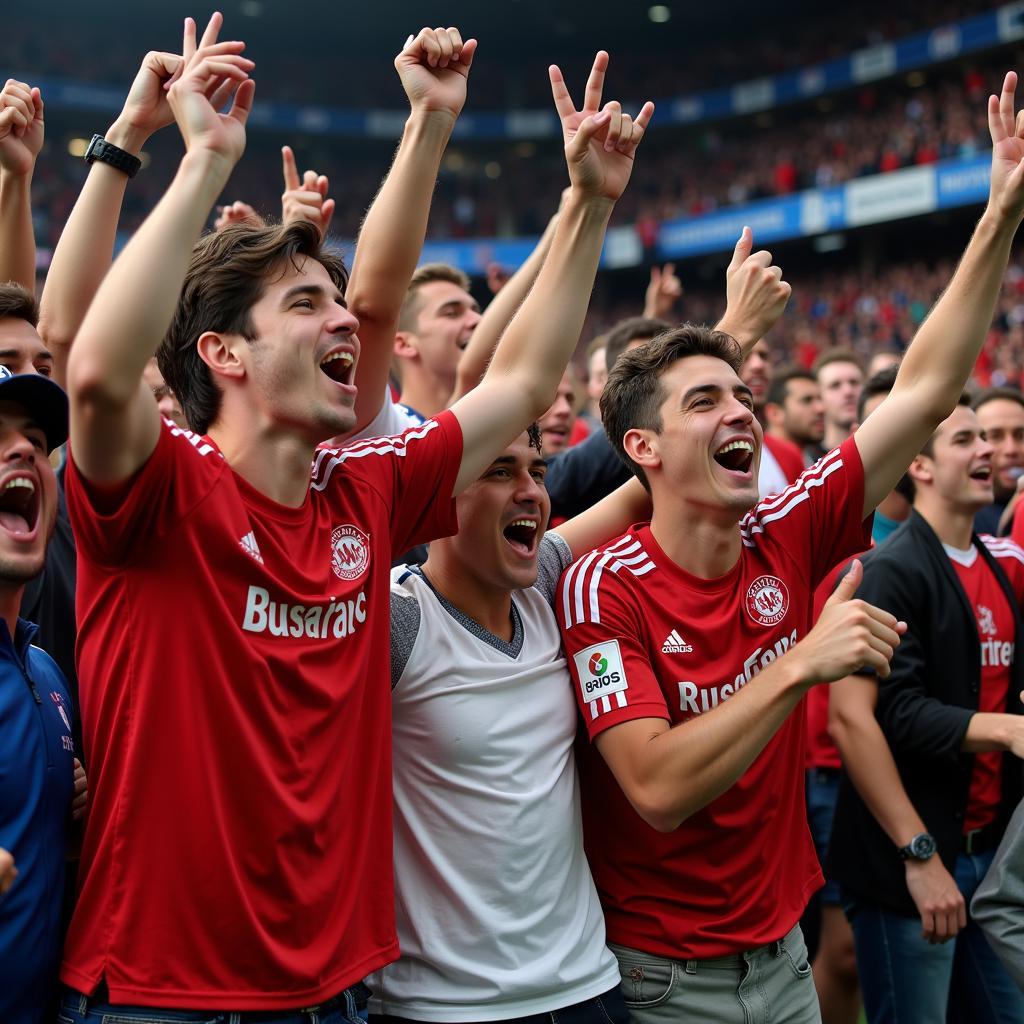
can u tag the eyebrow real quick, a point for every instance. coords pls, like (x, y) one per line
(458, 304)
(714, 389)
(510, 460)
(13, 353)
(314, 291)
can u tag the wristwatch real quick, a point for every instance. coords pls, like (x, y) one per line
(921, 847)
(108, 153)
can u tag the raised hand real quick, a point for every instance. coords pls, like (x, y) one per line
(600, 143)
(207, 80)
(756, 295)
(306, 199)
(434, 67)
(663, 292)
(237, 213)
(849, 635)
(21, 127)
(1006, 195)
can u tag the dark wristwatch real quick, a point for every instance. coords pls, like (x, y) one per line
(921, 847)
(108, 153)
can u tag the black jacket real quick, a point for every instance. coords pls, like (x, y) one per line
(924, 707)
(584, 474)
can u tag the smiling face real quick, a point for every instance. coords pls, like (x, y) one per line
(299, 369)
(957, 472)
(28, 495)
(502, 518)
(709, 447)
(1002, 419)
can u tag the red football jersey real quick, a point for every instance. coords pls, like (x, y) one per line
(645, 639)
(236, 707)
(996, 634)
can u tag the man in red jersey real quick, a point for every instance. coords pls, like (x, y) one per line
(234, 608)
(688, 639)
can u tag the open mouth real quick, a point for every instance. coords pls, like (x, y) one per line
(338, 366)
(982, 473)
(736, 456)
(19, 506)
(521, 535)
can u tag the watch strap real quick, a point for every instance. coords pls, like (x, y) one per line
(108, 153)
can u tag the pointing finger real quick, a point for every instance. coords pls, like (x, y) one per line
(291, 172)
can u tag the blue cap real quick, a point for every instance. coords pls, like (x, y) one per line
(44, 400)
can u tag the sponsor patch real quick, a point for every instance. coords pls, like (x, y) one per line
(350, 552)
(767, 600)
(600, 672)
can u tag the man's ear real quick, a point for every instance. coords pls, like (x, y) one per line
(405, 345)
(642, 447)
(219, 352)
(921, 470)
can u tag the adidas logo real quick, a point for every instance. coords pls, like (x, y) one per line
(250, 547)
(675, 644)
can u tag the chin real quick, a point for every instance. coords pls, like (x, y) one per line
(22, 566)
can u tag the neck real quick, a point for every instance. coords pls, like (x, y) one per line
(781, 434)
(10, 603)
(483, 602)
(705, 546)
(427, 395)
(277, 464)
(952, 526)
(835, 435)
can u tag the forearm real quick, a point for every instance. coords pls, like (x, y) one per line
(499, 313)
(683, 769)
(17, 240)
(84, 252)
(136, 300)
(948, 343)
(869, 763)
(987, 731)
(538, 343)
(747, 334)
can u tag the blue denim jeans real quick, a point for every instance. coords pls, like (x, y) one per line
(822, 793)
(79, 1009)
(607, 1008)
(905, 980)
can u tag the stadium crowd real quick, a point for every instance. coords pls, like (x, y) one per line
(346, 673)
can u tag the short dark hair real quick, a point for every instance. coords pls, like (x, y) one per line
(533, 436)
(226, 277)
(836, 355)
(426, 274)
(995, 394)
(18, 303)
(779, 390)
(634, 393)
(629, 330)
(880, 383)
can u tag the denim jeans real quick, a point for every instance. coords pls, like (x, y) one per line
(79, 1009)
(905, 979)
(607, 1008)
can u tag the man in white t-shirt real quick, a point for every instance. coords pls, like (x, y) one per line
(497, 913)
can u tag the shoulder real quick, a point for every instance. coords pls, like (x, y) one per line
(614, 568)
(45, 669)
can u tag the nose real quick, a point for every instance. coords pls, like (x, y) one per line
(19, 448)
(342, 321)
(530, 490)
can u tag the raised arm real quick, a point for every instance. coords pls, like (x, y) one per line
(499, 312)
(86, 247)
(521, 381)
(870, 765)
(114, 419)
(943, 353)
(434, 68)
(21, 139)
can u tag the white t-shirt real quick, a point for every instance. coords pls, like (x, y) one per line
(770, 478)
(496, 908)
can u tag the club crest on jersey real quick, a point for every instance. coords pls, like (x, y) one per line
(767, 600)
(59, 701)
(350, 552)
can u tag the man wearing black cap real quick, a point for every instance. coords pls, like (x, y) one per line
(37, 768)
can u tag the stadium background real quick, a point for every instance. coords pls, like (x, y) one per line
(852, 139)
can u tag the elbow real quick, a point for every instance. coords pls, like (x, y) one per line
(55, 336)
(658, 810)
(89, 384)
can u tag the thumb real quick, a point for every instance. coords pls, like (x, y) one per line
(744, 247)
(588, 128)
(848, 584)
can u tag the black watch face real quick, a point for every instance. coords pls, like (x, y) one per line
(922, 847)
